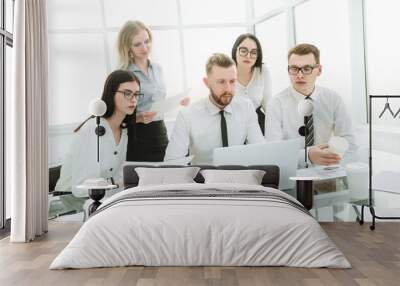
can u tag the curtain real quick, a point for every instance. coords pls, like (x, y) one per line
(29, 120)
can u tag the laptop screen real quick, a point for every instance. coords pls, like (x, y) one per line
(284, 154)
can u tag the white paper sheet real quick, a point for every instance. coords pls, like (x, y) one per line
(322, 172)
(170, 103)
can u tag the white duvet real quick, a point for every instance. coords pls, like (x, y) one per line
(200, 231)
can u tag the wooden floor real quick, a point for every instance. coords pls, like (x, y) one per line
(374, 255)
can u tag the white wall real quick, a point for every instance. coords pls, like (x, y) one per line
(273, 37)
(334, 46)
(82, 44)
(383, 57)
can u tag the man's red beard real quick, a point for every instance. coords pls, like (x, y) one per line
(223, 99)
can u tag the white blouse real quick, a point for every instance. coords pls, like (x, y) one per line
(259, 89)
(81, 163)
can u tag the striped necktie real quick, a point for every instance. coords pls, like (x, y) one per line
(309, 124)
(224, 132)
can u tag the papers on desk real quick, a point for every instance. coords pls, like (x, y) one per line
(170, 103)
(322, 172)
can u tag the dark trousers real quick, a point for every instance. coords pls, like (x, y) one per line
(261, 119)
(147, 143)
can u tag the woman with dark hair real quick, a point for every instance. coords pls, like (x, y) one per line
(253, 77)
(151, 139)
(121, 93)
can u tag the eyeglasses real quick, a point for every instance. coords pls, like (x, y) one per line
(243, 52)
(128, 94)
(293, 70)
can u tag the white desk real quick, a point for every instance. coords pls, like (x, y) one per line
(96, 193)
(305, 178)
(322, 172)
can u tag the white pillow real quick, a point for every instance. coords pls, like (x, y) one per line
(164, 176)
(248, 177)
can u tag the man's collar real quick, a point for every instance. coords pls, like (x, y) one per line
(213, 109)
(300, 96)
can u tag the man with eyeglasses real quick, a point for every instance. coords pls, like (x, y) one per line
(329, 117)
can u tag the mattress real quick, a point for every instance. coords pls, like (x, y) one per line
(201, 225)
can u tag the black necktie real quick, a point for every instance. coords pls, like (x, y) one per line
(224, 132)
(309, 124)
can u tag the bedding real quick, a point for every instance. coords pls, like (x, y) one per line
(247, 177)
(270, 179)
(161, 176)
(201, 224)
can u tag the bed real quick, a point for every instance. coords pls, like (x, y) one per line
(201, 224)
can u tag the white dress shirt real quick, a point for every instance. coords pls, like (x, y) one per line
(330, 117)
(258, 90)
(81, 160)
(198, 129)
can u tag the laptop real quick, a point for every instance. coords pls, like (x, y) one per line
(284, 154)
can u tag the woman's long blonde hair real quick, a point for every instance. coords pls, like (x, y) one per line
(125, 36)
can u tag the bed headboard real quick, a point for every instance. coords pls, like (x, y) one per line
(270, 179)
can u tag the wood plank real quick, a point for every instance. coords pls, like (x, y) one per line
(374, 255)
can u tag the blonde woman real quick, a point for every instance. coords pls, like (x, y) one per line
(253, 78)
(149, 141)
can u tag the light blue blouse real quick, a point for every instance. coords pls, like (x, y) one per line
(151, 85)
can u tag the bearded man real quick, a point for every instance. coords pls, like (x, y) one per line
(220, 120)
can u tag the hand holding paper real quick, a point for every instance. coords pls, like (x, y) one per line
(338, 145)
(170, 103)
(322, 155)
